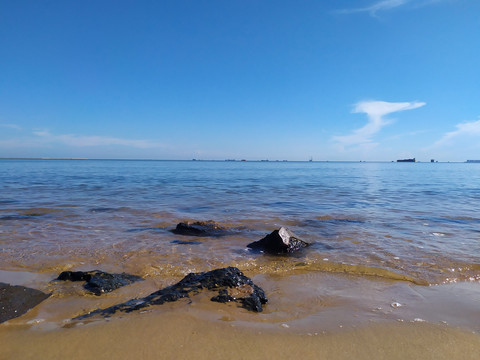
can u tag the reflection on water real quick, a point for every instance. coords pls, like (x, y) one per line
(414, 222)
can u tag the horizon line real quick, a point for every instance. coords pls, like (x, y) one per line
(225, 160)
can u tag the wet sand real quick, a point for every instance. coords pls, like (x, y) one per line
(183, 335)
(309, 315)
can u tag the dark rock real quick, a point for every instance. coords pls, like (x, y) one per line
(200, 228)
(99, 282)
(75, 276)
(14, 217)
(102, 210)
(185, 242)
(281, 241)
(17, 300)
(223, 297)
(230, 282)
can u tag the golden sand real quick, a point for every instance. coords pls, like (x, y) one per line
(309, 316)
(170, 335)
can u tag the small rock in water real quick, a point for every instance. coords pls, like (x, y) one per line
(396, 305)
(185, 242)
(281, 241)
(99, 282)
(230, 283)
(200, 228)
(102, 210)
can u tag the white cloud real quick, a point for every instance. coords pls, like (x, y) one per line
(464, 130)
(86, 141)
(376, 112)
(376, 7)
(384, 5)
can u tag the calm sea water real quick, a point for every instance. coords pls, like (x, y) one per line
(414, 221)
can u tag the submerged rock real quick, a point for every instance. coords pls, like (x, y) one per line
(102, 210)
(99, 282)
(17, 300)
(185, 242)
(230, 282)
(281, 241)
(200, 228)
(14, 217)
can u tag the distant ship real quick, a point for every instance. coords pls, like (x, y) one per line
(407, 160)
(473, 161)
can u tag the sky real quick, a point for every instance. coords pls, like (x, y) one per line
(354, 80)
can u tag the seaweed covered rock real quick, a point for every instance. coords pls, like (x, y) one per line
(281, 241)
(16, 300)
(200, 228)
(99, 282)
(230, 283)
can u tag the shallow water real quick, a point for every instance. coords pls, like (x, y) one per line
(417, 221)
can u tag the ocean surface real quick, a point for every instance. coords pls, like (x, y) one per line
(418, 222)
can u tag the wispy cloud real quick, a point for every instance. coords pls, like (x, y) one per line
(379, 6)
(376, 112)
(87, 141)
(384, 5)
(463, 131)
(11, 126)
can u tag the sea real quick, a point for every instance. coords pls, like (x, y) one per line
(409, 223)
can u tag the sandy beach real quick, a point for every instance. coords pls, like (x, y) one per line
(183, 336)
(339, 317)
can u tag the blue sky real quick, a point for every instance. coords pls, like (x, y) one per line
(249, 79)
